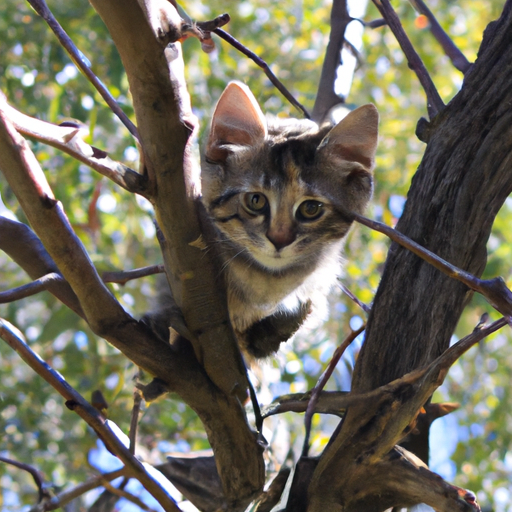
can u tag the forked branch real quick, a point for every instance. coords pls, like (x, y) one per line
(76, 403)
(364, 448)
(434, 102)
(69, 139)
(455, 55)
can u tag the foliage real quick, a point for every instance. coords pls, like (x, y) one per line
(38, 77)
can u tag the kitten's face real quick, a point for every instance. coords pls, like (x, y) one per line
(279, 205)
(281, 195)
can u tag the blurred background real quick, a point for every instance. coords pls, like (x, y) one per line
(471, 448)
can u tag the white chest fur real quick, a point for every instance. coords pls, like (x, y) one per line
(254, 293)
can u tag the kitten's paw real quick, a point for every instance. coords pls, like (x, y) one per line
(264, 337)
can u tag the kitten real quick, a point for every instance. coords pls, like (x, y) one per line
(278, 193)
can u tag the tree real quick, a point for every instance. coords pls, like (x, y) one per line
(457, 191)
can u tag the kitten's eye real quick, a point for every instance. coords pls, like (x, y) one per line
(254, 202)
(310, 210)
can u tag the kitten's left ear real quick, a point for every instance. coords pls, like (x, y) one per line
(354, 138)
(237, 120)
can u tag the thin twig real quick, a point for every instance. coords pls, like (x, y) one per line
(29, 289)
(134, 421)
(76, 403)
(434, 102)
(69, 139)
(361, 304)
(263, 65)
(35, 473)
(322, 381)
(455, 55)
(127, 275)
(326, 97)
(494, 290)
(82, 64)
(65, 497)
(45, 282)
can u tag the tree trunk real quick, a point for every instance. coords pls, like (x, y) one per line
(462, 182)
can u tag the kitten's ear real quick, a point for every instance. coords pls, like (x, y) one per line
(354, 138)
(237, 120)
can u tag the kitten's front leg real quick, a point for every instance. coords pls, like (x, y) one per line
(264, 337)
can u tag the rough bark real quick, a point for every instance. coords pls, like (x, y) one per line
(462, 182)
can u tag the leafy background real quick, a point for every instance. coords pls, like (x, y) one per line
(472, 447)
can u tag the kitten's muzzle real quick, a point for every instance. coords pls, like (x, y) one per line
(281, 237)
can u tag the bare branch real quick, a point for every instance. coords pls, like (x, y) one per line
(322, 381)
(30, 289)
(326, 97)
(329, 402)
(263, 65)
(35, 473)
(434, 102)
(456, 56)
(81, 62)
(69, 495)
(381, 418)
(48, 219)
(127, 275)
(134, 422)
(69, 140)
(494, 290)
(347, 292)
(25, 248)
(76, 403)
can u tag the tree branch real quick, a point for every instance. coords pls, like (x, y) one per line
(24, 247)
(322, 381)
(35, 473)
(30, 289)
(69, 495)
(156, 78)
(263, 65)
(326, 97)
(127, 275)
(364, 448)
(456, 56)
(81, 62)
(434, 102)
(494, 290)
(69, 140)
(76, 403)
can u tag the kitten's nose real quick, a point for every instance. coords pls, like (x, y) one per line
(280, 236)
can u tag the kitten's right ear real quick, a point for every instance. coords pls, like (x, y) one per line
(237, 120)
(354, 138)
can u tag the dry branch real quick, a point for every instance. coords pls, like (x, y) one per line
(456, 56)
(264, 66)
(24, 247)
(79, 60)
(326, 97)
(69, 140)
(76, 403)
(434, 102)
(494, 290)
